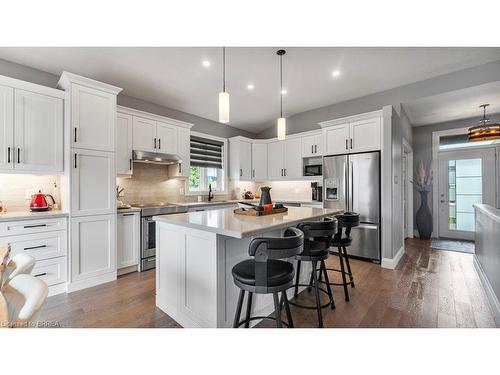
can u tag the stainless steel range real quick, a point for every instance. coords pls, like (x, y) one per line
(148, 229)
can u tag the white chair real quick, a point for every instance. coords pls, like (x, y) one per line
(25, 296)
(19, 264)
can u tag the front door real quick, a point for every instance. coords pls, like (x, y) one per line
(466, 177)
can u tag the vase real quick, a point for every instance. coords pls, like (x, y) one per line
(265, 196)
(424, 217)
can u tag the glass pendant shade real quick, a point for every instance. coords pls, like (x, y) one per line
(224, 107)
(486, 130)
(281, 128)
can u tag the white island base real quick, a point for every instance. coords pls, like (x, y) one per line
(194, 284)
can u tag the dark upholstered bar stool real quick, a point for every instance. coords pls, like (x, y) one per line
(317, 238)
(266, 274)
(341, 240)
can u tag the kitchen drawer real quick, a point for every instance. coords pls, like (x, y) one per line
(52, 271)
(40, 245)
(14, 228)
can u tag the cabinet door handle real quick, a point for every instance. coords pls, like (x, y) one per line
(128, 215)
(180, 168)
(18, 155)
(8, 155)
(154, 143)
(41, 274)
(351, 143)
(253, 172)
(159, 143)
(241, 172)
(75, 134)
(285, 172)
(35, 247)
(312, 149)
(76, 158)
(346, 146)
(315, 149)
(130, 164)
(34, 226)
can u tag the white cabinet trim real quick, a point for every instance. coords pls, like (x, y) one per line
(152, 116)
(362, 116)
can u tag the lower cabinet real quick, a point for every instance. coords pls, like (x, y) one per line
(93, 250)
(128, 239)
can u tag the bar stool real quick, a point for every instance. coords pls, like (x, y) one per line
(266, 274)
(346, 222)
(317, 238)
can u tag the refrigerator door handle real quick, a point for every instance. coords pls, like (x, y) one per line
(345, 187)
(351, 187)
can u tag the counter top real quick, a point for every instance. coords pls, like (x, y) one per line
(128, 210)
(231, 201)
(28, 215)
(492, 212)
(227, 223)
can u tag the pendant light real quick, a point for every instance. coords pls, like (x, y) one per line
(281, 124)
(486, 130)
(224, 96)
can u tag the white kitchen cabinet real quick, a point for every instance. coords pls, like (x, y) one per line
(144, 134)
(240, 159)
(167, 138)
(293, 159)
(184, 151)
(128, 237)
(312, 146)
(92, 182)
(6, 127)
(275, 160)
(336, 139)
(93, 247)
(93, 116)
(123, 153)
(259, 161)
(38, 129)
(365, 135)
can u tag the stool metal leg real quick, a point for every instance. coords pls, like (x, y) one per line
(297, 277)
(238, 309)
(348, 267)
(341, 260)
(316, 292)
(327, 282)
(277, 310)
(249, 308)
(287, 309)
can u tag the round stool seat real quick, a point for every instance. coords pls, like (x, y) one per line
(347, 219)
(313, 250)
(278, 272)
(342, 242)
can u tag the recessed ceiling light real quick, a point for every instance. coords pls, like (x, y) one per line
(335, 73)
(205, 63)
(283, 92)
(250, 86)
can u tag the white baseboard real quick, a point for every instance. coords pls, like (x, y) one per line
(129, 269)
(495, 304)
(57, 289)
(93, 281)
(393, 263)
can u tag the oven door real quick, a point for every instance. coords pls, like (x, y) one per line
(148, 248)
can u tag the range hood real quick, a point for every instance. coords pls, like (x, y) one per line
(155, 157)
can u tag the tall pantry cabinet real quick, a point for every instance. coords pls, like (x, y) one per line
(90, 165)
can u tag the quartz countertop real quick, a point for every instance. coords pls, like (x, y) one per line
(231, 201)
(128, 210)
(28, 215)
(227, 223)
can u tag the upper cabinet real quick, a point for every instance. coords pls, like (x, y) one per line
(92, 118)
(311, 145)
(141, 131)
(240, 159)
(285, 159)
(31, 127)
(259, 161)
(360, 133)
(123, 143)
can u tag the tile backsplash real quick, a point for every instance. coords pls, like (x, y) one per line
(14, 189)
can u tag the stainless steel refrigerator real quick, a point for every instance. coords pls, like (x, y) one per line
(352, 183)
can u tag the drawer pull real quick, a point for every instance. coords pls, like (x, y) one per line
(151, 260)
(35, 247)
(41, 274)
(128, 214)
(35, 226)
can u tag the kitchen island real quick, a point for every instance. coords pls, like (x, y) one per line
(196, 251)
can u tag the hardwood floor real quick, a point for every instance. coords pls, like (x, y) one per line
(430, 288)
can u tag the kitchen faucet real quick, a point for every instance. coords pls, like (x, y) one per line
(210, 193)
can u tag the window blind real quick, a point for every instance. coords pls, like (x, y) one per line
(206, 153)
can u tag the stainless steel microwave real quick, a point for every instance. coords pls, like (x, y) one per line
(313, 170)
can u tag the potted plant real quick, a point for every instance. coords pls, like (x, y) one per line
(424, 178)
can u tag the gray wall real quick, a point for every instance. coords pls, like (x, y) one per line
(202, 125)
(422, 150)
(453, 81)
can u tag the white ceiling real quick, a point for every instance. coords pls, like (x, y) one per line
(454, 105)
(175, 77)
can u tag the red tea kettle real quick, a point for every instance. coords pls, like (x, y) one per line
(39, 203)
